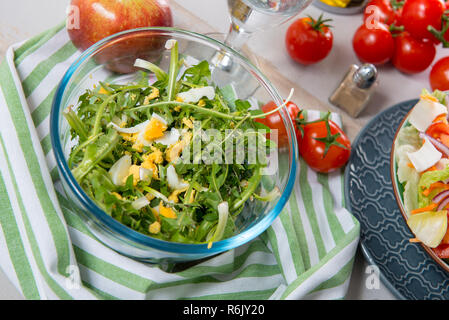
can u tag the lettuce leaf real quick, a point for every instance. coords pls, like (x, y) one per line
(440, 95)
(411, 194)
(408, 135)
(427, 178)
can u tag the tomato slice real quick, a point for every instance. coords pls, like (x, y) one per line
(442, 251)
(436, 129)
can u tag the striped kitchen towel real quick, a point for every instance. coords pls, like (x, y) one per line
(47, 253)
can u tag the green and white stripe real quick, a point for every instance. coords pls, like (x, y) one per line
(47, 252)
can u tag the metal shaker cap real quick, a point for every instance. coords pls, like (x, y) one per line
(365, 76)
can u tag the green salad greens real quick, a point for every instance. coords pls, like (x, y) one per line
(131, 153)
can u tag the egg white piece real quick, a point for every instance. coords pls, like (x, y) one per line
(140, 203)
(135, 129)
(169, 138)
(145, 174)
(194, 95)
(158, 117)
(174, 182)
(141, 133)
(119, 171)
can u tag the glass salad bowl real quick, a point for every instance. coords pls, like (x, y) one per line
(112, 61)
(402, 193)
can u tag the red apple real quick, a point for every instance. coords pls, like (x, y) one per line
(98, 19)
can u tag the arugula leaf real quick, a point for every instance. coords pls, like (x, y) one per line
(198, 74)
(242, 106)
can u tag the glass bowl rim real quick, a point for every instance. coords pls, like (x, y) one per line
(128, 233)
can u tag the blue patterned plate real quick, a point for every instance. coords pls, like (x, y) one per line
(406, 268)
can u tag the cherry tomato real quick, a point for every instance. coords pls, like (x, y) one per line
(309, 41)
(439, 75)
(411, 55)
(373, 44)
(379, 11)
(323, 145)
(274, 121)
(418, 14)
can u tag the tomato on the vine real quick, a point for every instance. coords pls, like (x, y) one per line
(439, 75)
(379, 11)
(417, 15)
(308, 40)
(274, 120)
(412, 55)
(323, 145)
(373, 44)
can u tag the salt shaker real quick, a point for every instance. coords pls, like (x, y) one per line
(356, 88)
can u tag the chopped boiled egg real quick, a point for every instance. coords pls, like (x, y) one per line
(136, 129)
(155, 211)
(154, 129)
(195, 94)
(145, 174)
(425, 157)
(140, 203)
(155, 155)
(149, 164)
(120, 170)
(166, 211)
(150, 196)
(424, 112)
(169, 138)
(174, 182)
(155, 227)
(135, 172)
(103, 91)
(153, 95)
(147, 132)
(174, 151)
(187, 122)
(192, 197)
(139, 174)
(117, 195)
(174, 196)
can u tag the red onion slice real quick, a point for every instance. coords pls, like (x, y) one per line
(442, 204)
(437, 144)
(441, 196)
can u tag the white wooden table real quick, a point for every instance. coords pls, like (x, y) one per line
(21, 19)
